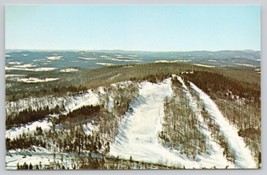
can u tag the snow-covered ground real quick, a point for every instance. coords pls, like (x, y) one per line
(140, 126)
(89, 127)
(29, 67)
(138, 131)
(203, 65)
(40, 156)
(69, 103)
(215, 152)
(14, 75)
(55, 57)
(242, 154)
(14, 63)
(166, 61)
(106, 64)
(247, 65)
(125, 60)
(87, 58)
(36, 80)
(69, 70)
(28, 128)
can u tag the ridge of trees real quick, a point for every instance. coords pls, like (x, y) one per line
(218, 83)
(29, 115)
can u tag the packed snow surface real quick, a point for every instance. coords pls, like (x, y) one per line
(243, 157)
(138, 131)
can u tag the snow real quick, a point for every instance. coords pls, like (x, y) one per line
(101, 90)
(183, 60)
(257, 70)
(215, 152)
(14, 75)
(212, 60)
(69, 103)
(89, 127)
(43, 69)
(247, 65)
(110, 104)
(138, 131)
(78, 101)
(106, 64)
(25, 66)
(42, 155)
(139, 128)
(243, 157)
(55, 57)
(203, 65)
(29, 67)
(14, 62)
(68, 70)
(87, 58)
(28, 128)
(166, 61)
(104, 56)
(36, 80)
(125, 60)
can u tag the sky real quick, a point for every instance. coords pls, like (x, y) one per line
(149, 28)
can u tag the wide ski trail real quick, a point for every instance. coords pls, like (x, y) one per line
(138, 131)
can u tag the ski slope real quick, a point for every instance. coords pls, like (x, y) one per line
(215, 152)
(242, 154)
(140, 126)
(138, 131)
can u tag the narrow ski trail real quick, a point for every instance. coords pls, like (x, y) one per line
(242, 154)
(215, 152)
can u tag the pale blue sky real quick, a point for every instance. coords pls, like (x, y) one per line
(154, 28)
